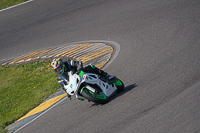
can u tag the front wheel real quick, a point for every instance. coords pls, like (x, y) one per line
(119, 84)
(97, 97)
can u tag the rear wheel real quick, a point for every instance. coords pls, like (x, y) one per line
(97, 97)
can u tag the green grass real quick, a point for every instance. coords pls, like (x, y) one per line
(8, 3)
(24, 87)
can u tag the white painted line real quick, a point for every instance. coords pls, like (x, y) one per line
(15, 5)
(8, 60)
(41, 114)
(88, 50)
(99, 60)
(60, 49)
(104, 58)
(52, 52)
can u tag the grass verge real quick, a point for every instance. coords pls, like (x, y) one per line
(8, 3)
(23, 87)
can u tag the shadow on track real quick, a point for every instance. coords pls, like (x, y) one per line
(126, 89)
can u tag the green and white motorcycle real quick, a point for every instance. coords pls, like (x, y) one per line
(92, 87)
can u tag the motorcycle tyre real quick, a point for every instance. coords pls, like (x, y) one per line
(93, 99)
(120, 88)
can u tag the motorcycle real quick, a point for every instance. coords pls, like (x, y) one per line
(91, 86)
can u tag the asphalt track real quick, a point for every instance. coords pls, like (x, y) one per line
(158, 61)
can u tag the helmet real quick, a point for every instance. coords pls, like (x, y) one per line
(57, 65)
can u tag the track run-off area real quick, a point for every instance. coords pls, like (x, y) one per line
(158, 61)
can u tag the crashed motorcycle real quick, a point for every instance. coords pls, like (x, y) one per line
(91, 86)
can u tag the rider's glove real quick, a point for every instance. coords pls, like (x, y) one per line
(79, 65)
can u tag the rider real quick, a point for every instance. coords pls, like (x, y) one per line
(62, 69)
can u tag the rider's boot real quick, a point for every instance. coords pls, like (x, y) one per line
(107, 76)
(102, 73)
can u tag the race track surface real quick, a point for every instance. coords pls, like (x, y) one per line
(158, 61)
